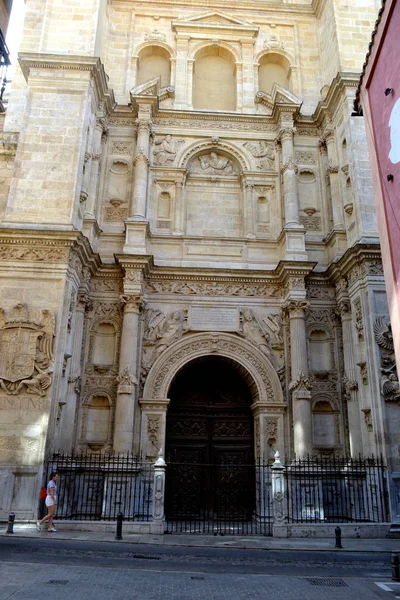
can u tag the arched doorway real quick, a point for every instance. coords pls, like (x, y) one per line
(210, 442)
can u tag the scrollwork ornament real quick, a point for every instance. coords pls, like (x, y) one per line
(125, 381)
(302, 382)
(289, 164)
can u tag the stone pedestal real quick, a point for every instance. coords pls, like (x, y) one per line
(153, 424)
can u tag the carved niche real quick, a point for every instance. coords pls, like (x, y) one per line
(26, 349)
(213, 195)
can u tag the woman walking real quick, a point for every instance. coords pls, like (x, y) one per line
(51, 501)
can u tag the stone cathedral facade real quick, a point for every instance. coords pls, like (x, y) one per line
(185, 202)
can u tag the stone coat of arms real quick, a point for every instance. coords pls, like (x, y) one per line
(26, 350)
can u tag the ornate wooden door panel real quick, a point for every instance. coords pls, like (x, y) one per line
(209, 437)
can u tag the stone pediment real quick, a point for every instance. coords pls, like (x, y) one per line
(214, 20)
(278, 95)
(151, 88)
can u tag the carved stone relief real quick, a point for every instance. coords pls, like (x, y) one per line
(160, 331)
(359, 320)
(36, 254)
(390, 386)
(212, 164)
(26, 349)
(304, 157)
(121, 148)
(252, 330)
(264, 153)
(194, 288)
(165, 150)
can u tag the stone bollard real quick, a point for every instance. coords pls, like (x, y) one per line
(159, 495)
(395, 562)
(279, 498)
(338, 537)
(118, 534)
(10, 526)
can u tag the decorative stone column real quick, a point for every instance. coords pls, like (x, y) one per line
(300, 385)
(248, 210)
(94, 172)
(189, 89)
(350, 384)
(333, 174)
(179, 208)
(137, 205)
(67, 431)
(127, 380)
(290, 186)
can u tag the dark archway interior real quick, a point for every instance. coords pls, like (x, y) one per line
(209, 439)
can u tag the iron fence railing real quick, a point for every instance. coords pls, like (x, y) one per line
(231, 499)
(337, 490)
(99, 486)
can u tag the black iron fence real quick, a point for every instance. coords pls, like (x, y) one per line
(337, 490)
(230, 499)
(99, 486)
(225, 499)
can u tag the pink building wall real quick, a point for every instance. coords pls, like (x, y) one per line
(381, 109)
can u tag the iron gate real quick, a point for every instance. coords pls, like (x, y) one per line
(230, 499)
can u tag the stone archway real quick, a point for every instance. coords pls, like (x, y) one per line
(268, 405)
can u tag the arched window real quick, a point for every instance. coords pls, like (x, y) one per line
(214, 79)
(154, 61)
(104, 345)
(320, 351)
(273, 68)
(98, 420)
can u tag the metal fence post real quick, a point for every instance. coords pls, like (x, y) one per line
(159, 494)
(279, 498)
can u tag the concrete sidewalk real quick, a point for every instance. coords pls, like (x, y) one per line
(28, 530)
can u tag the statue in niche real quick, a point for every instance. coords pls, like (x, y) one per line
(252, 331)
(263, 153)
(166, 149)
(213, 163)
(389, 384)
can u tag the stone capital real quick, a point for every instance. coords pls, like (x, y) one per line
(132, 302)
(295, 308)
(286, 133)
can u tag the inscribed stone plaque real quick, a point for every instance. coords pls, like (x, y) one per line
(213, 319)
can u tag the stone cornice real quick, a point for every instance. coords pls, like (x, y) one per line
(29, 61)
(337, 90)
(46, 246)
(355, 256)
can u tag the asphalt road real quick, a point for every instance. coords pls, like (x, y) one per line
(196, 560)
